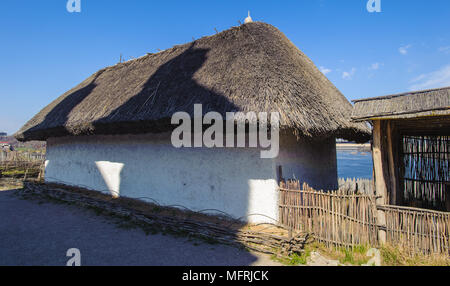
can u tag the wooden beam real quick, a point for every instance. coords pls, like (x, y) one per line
(380, 183)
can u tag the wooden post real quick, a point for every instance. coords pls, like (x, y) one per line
(380, 183)
(393, 192)
(280, 174)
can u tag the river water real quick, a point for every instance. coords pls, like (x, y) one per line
(354, 164)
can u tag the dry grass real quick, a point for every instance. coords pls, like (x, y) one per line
(7, 184)
(350, 257)
(346, 256)
(391, 256)
(398, 256)
(20, 169)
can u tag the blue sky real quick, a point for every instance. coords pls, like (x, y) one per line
(46, 50)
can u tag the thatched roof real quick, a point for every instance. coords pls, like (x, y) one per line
(253, 67)
(432, 102)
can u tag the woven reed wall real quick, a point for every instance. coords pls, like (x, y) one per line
(425, 171)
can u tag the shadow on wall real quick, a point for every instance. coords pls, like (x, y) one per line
(309, 161)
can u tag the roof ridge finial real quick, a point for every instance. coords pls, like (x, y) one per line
(248, 19)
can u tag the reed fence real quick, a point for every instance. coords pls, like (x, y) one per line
(24, 166)
(357, 185)
(341, 217)
(416, 229)
(347, 218)
(6, 156)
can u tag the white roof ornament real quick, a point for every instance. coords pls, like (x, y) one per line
(248, 19)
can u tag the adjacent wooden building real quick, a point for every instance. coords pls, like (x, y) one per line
(411, 147)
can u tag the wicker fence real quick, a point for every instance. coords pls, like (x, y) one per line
(417, 229)
(360, 186)
(15, 156)
(345, 218)
(22, 166)
(341, 218)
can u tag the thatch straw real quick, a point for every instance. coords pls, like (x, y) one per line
(426, 103)
(253, 67)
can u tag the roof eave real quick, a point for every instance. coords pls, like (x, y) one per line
(409, 115)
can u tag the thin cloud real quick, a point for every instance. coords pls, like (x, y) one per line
(349, 75)
(376, 66)
(324, 70)
(439, 78)
(404, 50)
(445, 50)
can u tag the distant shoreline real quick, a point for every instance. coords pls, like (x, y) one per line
(353, 146)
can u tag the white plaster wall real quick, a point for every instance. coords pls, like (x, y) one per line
(313, 162)
(234, 180)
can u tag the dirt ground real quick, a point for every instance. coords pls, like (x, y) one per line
(40, 233)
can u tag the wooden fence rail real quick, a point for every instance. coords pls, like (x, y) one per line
(345, 218)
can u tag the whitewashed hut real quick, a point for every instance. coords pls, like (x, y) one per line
(112, 132)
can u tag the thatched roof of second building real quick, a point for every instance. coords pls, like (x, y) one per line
(424, 103)
(253, 67)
